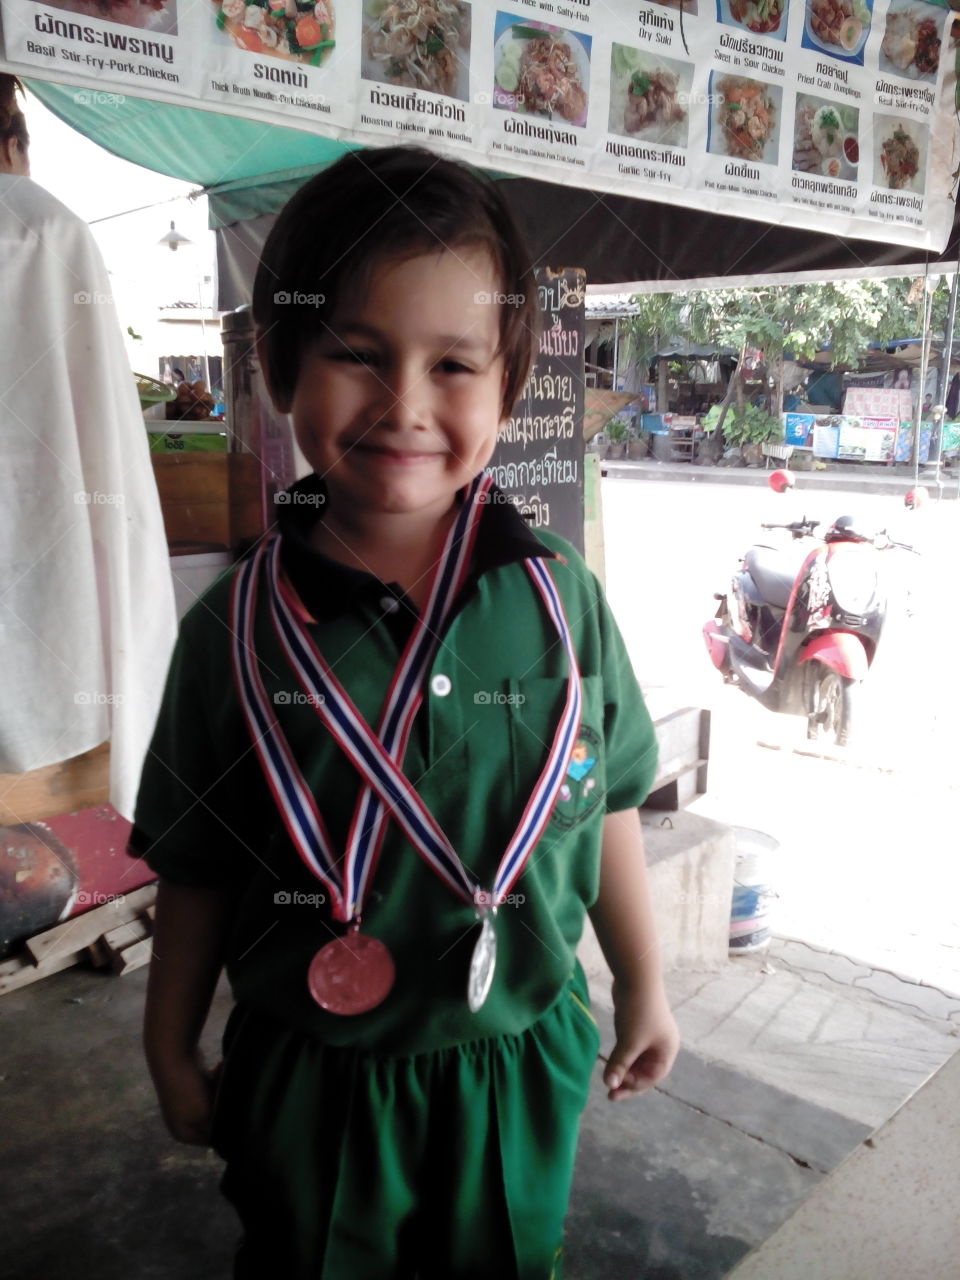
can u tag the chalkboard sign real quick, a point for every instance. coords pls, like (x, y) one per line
(538, 462)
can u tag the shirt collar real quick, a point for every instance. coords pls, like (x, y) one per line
(329, 588)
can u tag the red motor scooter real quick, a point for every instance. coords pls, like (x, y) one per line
(799, 628)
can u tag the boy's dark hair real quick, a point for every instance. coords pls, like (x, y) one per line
(375, 204)
(13, 123)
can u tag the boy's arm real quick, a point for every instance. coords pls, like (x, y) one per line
(189, 937)
(647, 1036)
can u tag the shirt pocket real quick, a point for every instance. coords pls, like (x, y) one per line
(536, 707)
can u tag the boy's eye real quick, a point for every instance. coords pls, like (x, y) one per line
(453, 366)
(350, 355)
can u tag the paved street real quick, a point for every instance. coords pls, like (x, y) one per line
(868, 864)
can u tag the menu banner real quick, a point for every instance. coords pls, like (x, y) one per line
(835, 115)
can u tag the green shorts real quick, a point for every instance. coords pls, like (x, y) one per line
(450, 1165)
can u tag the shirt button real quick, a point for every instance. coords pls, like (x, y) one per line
(441, 686)
(389, 604)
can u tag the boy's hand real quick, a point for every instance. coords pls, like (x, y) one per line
(186, 1091)
(647, 1042)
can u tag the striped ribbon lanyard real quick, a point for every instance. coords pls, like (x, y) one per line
(376, 756)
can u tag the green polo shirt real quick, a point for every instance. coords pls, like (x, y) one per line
(495, 690)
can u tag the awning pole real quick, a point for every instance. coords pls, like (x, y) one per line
(924, 366)
(945, 377)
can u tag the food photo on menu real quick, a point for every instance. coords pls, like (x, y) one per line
(296, 30)
(911, 40)
(649, 96)
(838, 27)
(761, 17)
(899, 153)
(418, 44)
(826, 138)
(541, 70)
(688, 6)
(150, 15)
(744, 120)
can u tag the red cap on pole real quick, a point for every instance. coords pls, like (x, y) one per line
(780, 480)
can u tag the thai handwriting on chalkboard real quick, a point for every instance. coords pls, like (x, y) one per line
(537, 508)
(548, 469)
(557, 341)
(548, 386)
(561, 293)
(528, 428)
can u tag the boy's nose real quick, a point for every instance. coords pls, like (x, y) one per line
(403, 399)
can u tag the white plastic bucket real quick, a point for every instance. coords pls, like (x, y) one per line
(749, 912)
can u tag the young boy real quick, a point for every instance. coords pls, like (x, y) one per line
(421, 691)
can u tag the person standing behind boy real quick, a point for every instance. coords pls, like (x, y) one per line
(87, 614)
(405, 1067)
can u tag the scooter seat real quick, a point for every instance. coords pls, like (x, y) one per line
(774, 571)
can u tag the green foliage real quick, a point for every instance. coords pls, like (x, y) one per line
(752, 426)
(712, 417)
(659, 318)
(844, 316)
(615, 431)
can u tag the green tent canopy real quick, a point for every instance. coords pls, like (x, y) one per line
(246, 167)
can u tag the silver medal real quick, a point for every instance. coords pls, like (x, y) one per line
(482, 964)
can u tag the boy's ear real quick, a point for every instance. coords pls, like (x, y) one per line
(280, 403)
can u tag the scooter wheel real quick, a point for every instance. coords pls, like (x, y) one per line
(832, 702)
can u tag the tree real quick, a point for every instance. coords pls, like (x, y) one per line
(843, 316)
(658, 318)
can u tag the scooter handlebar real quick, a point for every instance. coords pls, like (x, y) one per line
(884, 543)
(798, 528)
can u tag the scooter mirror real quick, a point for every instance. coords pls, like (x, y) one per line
(781, 480)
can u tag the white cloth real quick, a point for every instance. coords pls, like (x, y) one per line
(87, 617)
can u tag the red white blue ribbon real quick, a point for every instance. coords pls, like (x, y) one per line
(377, 755)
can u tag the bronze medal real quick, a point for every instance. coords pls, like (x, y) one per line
(352, 974)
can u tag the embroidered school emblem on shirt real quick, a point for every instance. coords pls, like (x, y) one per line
(582, 788)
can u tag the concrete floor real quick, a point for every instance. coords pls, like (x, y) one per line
(782, 1075)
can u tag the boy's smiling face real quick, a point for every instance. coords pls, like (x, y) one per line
(398, 407)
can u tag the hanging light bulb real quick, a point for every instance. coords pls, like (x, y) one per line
(173, 239)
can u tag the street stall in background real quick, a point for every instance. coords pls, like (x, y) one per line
(880, 407)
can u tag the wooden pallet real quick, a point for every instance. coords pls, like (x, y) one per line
(117, 935)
